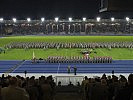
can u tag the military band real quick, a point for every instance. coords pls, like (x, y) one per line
(58, 45)
(74, 59)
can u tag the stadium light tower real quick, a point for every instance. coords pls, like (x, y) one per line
(1, 19)
(42, 19)
(98, 19)
(70, 19)
(14, 20)
(56, 19)
(84, 19)
(127, 19)
(28, 19)
(112, 19)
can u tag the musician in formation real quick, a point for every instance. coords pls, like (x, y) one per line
(74, 59)
(50, 45)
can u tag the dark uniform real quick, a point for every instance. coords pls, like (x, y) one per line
(68, 69)
(75, 70)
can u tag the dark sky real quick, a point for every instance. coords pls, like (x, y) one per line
(52, 8)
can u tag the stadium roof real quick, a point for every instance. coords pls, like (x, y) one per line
(69, 20)
(52, 8)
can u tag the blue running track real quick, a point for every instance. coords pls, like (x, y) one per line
(119, 66)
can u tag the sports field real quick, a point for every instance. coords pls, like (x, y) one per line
(19, 54)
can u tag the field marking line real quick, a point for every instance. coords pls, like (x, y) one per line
(102, 52)
(58, 68)
(18, 67)
(120, 53)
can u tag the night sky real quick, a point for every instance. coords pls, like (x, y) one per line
(52, 8)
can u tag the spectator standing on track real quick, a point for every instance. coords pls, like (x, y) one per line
(69, 69)
(75, 70)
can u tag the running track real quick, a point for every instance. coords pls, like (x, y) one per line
(119, 66)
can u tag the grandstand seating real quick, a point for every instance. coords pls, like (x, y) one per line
(77, 27)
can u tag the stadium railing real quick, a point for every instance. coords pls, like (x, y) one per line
(65, 80)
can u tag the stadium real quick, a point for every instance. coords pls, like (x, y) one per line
(67, 59)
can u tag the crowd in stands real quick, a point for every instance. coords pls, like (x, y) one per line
(44, 88)
(20, 88)
(66, 28)
(107, 88)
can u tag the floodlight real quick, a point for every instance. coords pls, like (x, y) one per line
(28, 19)
(56, 19)
(84, 19)
(42, 19)
(70, 19)
(112, 19)
(1, 19)
(14, 19)
(98, 19)
(127, 19)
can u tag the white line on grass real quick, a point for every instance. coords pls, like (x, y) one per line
(102, 52)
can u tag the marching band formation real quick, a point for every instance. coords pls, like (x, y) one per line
(58, 59)
(46, 45)
(74, 59)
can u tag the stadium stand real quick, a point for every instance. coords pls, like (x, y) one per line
(64, 27)
(44, 88)
(71, 87)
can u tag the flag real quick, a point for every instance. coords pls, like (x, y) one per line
(33, 56)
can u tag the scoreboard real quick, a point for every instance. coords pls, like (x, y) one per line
(116, 5)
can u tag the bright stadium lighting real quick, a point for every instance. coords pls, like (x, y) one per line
(70, 19)
(56, 19)
(127, 19)
(42, 19)
(98, 19)
(28, 19)
(84, 19)
(1, 19)
(112, 19)
(14, 19)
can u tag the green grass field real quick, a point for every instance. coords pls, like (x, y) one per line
(19, 54)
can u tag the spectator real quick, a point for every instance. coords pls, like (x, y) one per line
(46, 91)
(126, 93)
(99, 91)
(13, 92)
(104, 88)
(0, 92)
(85, 86)
(70, 84)
(32, 90)
(59, 83)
